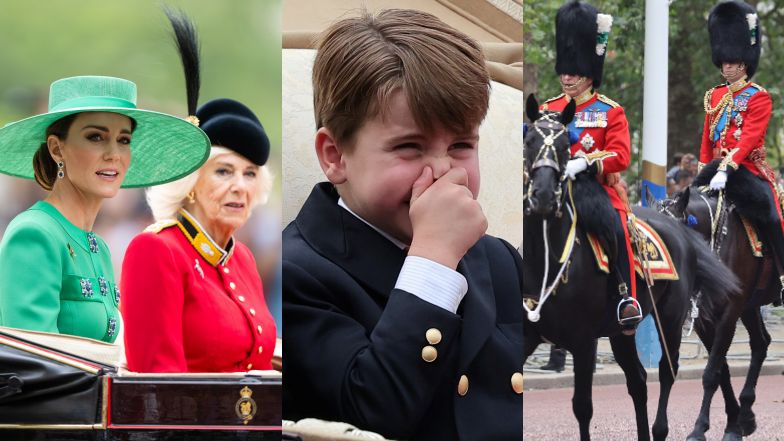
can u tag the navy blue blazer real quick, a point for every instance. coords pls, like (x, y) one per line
(355, 348)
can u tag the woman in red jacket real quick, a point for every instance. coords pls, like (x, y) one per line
(192, 296)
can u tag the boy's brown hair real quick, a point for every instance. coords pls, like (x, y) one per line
(362, 60)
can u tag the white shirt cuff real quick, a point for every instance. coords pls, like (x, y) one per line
(432, 282)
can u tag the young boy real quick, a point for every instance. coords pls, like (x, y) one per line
(400, 315)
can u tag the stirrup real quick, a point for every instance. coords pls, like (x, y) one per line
(628, 324)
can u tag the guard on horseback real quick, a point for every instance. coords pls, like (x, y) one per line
(737, 112)
(599, 132)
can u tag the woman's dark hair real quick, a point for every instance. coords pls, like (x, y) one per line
(44, 165)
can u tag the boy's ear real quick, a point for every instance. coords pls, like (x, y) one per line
(330, 157)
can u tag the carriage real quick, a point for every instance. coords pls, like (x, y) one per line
(60, 387)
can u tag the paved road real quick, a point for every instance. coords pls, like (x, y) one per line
(548, 413)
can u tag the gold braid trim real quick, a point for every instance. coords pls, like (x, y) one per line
(555, 98)
(724, 105)
(545, 106)
(599, 155)
(605, 100)
(584, 97)
(596, 157)
(728, 161)
(738, 85)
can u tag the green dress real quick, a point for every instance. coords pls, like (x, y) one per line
(55, 277)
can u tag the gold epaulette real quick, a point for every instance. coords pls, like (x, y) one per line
(605, 100)
(555, 98)
(157, 227)
(761, 89)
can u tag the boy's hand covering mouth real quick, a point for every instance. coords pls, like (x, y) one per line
(446, 220)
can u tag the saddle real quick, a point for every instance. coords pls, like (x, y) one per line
(656, 259)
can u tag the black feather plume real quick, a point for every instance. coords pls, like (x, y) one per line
(184, 33)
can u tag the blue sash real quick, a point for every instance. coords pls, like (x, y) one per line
(740, 103)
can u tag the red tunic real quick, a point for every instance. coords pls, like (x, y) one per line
(602, 133)
(738, 144)
(185, 314)
(602, 137)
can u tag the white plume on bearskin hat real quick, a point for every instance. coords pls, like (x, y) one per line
(735, 34)
(581, 36)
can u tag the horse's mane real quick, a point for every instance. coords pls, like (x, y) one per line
(595, 213)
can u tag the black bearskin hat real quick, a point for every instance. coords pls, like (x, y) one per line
(580, 44)
(735, 34)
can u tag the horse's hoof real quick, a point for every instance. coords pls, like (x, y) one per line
(729, 436)
(747, 425)
(695, 437)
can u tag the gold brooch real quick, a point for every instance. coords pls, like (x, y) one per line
(193, 120)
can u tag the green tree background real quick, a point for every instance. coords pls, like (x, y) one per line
(691, 71)
(44, 40)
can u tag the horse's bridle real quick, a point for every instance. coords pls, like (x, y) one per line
(664, 207)
(548, 156)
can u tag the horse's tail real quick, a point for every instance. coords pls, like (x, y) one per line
(716, 283)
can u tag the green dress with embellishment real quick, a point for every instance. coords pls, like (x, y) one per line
(55, 277)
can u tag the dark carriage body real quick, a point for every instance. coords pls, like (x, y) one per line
(50, 393)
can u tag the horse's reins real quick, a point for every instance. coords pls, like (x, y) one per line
(543, 160)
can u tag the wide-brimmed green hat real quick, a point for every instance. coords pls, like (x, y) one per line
(163, 147)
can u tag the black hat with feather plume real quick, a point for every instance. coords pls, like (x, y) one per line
(228, 123)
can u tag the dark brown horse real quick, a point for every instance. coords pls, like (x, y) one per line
(577, 301)
(759, 286)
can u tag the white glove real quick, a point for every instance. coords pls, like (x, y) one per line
(575, 166)
(719, 181)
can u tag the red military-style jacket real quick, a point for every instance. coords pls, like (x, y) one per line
(600, 133)
(190, 306)
(736, 119)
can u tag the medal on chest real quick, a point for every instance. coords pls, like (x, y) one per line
(590, 118)
(740, 104)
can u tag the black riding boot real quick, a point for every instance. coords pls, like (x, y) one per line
(628, 311)
(557, 360)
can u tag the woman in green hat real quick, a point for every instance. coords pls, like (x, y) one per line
(55, 273)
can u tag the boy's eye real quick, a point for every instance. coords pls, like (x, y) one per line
(461, 145)
(408, 145)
